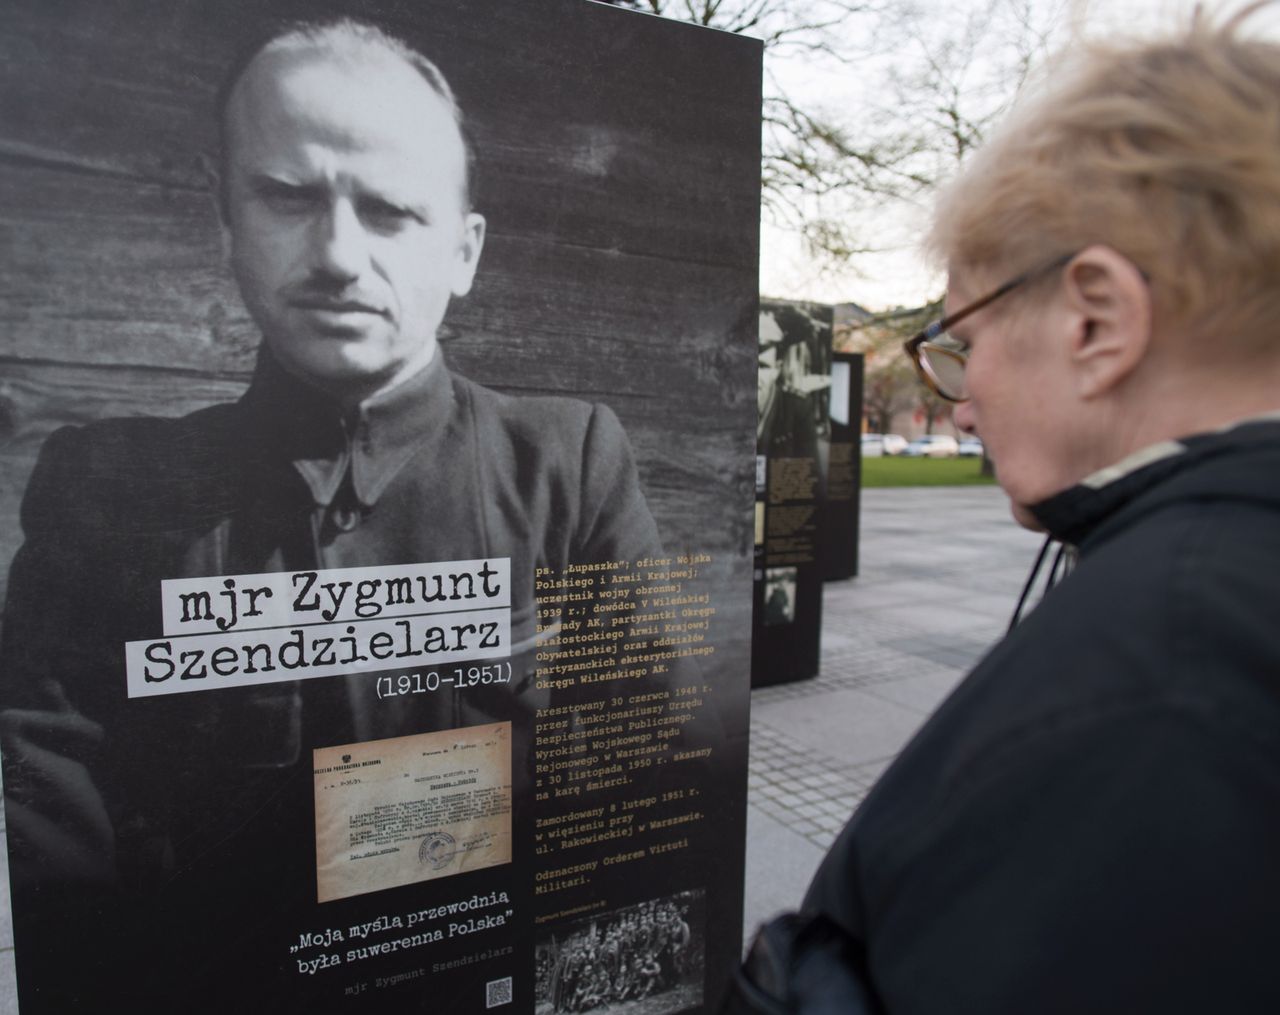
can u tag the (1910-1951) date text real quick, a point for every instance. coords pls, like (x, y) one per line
(425, 681)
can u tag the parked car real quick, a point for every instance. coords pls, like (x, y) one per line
(970, 447)
(934, 445)
(872, 445)
(894, 443)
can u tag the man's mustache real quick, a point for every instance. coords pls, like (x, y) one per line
(313, 296)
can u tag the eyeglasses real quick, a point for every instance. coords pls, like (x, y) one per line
(940, 359)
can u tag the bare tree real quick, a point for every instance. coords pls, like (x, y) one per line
(957, 73)
(934, 78)
(957, 76)
(887, 392)
(807, 154)
(890, 384)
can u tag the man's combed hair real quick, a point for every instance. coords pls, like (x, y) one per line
(342, 38)
(1166, 151)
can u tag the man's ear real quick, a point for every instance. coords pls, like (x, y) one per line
(1110, 304)
(468, 256)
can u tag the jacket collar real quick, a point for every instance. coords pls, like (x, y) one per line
(1237, 467)
(370, 443)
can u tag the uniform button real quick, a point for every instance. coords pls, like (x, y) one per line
(345, 518)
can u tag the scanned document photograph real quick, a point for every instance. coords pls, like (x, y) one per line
(408, 809)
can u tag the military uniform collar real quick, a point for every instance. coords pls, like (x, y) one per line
(370, 444)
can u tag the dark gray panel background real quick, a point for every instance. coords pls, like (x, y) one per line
(618, 169)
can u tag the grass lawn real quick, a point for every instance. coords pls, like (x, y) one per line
(922, 472)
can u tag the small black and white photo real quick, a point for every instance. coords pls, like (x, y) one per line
(780, 595)
(644, 959)
(794, 378)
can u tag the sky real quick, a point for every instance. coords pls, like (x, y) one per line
(897, 275)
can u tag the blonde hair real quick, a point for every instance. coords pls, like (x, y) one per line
(1166, 151)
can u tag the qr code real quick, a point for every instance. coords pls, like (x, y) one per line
(497, 992)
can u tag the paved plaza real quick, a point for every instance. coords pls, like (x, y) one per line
(940, 569)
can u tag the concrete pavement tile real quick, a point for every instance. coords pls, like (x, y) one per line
(872, 771)
(839, 641)
(1003, 582)
(956, 652)
(962, 657)
(8, 984)
(995, 605)
(848, 727)
(7, 993)
(780, 865)
(6, 902)
(949, 616)
(921, 694)
(907, 594)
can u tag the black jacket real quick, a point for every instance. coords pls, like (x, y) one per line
(1091, 822)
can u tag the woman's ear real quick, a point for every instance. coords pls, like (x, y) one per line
(1109, 303)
